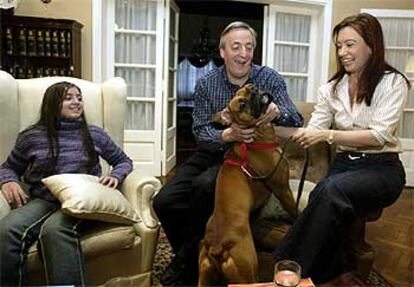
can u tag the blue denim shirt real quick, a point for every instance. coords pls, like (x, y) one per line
(214, 91)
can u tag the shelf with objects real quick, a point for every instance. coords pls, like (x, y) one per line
(34, 47)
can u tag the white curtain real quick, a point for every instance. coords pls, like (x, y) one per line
(399, 47)
(188, 74)
(135, 44)
(136, 14)
(291, 53)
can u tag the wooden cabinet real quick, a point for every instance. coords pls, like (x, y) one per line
(39, 47)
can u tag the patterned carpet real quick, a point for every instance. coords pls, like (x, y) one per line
(163, 257)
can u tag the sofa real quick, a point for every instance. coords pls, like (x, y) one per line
(115, 254)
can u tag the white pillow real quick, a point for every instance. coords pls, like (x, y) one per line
(82, 196)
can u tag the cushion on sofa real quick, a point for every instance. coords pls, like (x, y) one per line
(104, 238)
(82, 196)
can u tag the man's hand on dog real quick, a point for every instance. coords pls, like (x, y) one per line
(272, 112)
(236, 133)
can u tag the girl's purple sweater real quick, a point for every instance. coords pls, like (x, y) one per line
(30, 159)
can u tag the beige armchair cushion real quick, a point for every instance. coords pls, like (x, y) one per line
(82, 196)
(4, 206)
(110, 250)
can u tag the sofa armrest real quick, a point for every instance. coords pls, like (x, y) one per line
(139, 189)
(4, 206)
(10, 114)
(149, 241)
(114, 93)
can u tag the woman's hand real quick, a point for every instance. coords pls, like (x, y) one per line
(14, 194)
(109, 181)
(307, 138)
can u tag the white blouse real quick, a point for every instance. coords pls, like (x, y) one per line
(381, 118)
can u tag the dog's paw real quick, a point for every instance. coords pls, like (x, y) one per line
(223, 117)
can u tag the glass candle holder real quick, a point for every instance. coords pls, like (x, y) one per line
(287, 273)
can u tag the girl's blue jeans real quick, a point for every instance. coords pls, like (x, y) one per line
(58, 238)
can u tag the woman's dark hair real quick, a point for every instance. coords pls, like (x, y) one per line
(50, 113)
(369, 28)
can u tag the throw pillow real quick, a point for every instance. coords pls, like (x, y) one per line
(82, 196)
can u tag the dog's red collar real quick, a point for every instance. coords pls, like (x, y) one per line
(261, 146)
(243, 162)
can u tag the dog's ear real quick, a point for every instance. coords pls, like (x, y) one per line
(266, 98)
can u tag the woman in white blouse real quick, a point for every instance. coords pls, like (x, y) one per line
(359, 110)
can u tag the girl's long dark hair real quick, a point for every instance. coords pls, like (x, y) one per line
(49, 119)
(369, 28)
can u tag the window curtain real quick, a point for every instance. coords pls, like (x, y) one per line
(399, 47)
(188, 74)
(135, 59)
(291, 53)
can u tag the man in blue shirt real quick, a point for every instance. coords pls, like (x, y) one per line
(186, 202)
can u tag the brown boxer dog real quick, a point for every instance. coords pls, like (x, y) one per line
(246, 178)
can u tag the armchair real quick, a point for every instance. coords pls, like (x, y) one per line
(269, 228)
(115, 254)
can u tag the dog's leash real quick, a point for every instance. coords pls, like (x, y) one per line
(302, 180)
(302, 176)
(252, 175)
(244, 164)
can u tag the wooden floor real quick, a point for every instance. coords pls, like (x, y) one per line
(393, 239)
